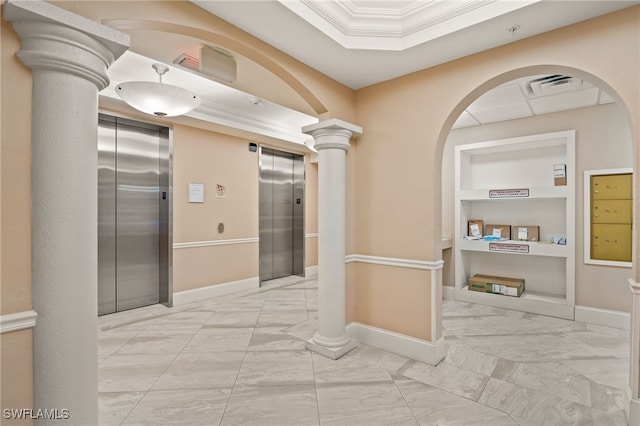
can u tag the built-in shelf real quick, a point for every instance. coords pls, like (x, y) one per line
(530, 301)
(511, 182)
(533, 193)
(515, 247)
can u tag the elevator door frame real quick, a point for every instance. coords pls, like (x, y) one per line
(298, 236)
(165, 197)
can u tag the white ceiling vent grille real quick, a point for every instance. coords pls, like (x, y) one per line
(553, 84)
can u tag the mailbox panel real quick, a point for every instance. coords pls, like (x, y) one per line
(611, 187)
(611, 242)
(611, 211)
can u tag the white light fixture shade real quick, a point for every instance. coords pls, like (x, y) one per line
(162, 100)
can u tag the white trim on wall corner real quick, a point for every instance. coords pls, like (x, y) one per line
(607, 318)
(203, 293)
(312, 235)
(448, 292)
(391, 261)
(425, 265)
(17, 321)
(407, 346)
(215, 243)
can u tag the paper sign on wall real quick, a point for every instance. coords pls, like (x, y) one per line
(196, 192)
(220, 191)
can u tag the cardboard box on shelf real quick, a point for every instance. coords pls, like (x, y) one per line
(500, 231)
(559, 174)
(525, 233)
(476, 228)
(496, 285)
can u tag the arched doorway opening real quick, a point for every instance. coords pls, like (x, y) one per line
(603, 141)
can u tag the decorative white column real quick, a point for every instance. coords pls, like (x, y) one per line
(634, 356)
(69, 56)
(332, 142)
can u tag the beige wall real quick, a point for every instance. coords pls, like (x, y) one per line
(211, 158)
(399, 293)
(603, 141)
(16, 388)
(394, 168)
(311, 212)
(406, 122)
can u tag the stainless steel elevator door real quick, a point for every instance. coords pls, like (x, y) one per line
(130, 216)
(281, 214)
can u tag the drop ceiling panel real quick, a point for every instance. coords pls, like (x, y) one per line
(465, 120)
(570, 100)
(507, 95)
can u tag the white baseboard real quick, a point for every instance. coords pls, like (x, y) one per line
(198, 294)
(311, 271)
(410, 347)
(603, 317)
(448, 292)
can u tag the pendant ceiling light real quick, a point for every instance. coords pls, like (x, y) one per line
(162, 100)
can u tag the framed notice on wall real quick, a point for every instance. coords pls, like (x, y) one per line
(196, 192)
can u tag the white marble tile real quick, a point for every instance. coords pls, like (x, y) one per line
(180, 407)
(468, 359)
(378, 357)
(220, 340)
(114, 407)
(237, 348)
(250, 303)
(281, 318)
(606, 398)
(433, 406)
(550, 378)
(201, 370)
(123, 373)
(272, 339)
(534, 406)
(293, 405)
(157, 342)
(110, 341)
(447, 377)
(180, 321)
(304, 330)
(274, 368)
(610, 372)
(241, 319)
(347, 370)
(607, 418)
(363, 404)
(528, 347)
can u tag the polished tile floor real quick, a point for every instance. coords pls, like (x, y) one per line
(240, 360)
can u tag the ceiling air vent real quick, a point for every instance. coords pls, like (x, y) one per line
(214, 63)
(552, 84)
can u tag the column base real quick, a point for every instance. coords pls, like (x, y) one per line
(333, 352)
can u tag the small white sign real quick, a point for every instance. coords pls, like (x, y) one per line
(475, 230)
(523, 234)
(196, 192)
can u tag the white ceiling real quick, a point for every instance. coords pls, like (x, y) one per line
(362, 42)
(529, 96)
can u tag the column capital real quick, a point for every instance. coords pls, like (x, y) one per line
(634, 286)
(55, 39)
(332, 133)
